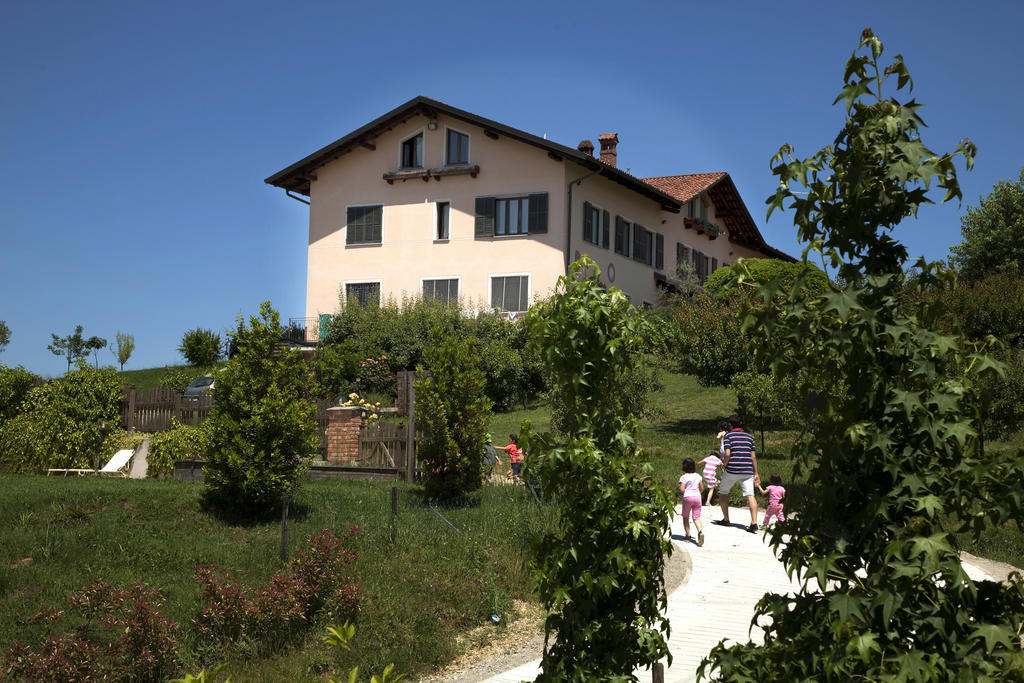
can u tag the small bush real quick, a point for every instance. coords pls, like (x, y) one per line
(180, 442)
(117, 635)
(704, 338)
(201, 347)
(454, 413)
(723, 284)
(275, 614)
(1004, 414)
(261, 427)
(178, 378)
(375, 377)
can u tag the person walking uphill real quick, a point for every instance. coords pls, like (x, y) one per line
(740, 463)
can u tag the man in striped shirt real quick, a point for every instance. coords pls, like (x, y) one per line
(740, 461)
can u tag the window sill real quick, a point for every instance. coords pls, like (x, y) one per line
(364, 244)
(442, 240)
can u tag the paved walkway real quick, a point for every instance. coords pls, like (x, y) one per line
(730, 573)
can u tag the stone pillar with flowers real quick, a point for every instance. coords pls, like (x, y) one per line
(344, 424)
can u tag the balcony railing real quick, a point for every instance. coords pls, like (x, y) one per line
(306, 330)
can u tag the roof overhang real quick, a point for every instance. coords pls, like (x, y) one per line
(299, 176)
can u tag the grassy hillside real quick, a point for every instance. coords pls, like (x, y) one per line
(418, 593)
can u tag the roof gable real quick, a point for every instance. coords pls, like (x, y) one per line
(298, 176)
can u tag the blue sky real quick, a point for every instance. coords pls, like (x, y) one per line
(135, 136)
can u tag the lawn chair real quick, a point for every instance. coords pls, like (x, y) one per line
(116, 467)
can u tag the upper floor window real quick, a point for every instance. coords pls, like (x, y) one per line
(444, 290)
(364, 224)
(622, 228)
(444, 210)
(510, 292)
(457, 148)
(412, 152)
(642, 245)
(595, 225)
(365, 293)
(511, 216)
(703, 211)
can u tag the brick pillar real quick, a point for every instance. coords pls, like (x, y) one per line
(343, 425)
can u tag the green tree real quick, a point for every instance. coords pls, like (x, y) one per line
(724, 282)
(15, 384)
(454, 413)
(5, 335)
(262, 431)
(893, 461)
(600, 574)
(993, 233)
(94, 344)
(201, 348)
(73, 346)
(705, 338)
(125, 346)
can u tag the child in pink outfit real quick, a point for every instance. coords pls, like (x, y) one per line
(690, 485)
(775, 494)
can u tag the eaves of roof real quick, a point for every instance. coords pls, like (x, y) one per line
(298, 176)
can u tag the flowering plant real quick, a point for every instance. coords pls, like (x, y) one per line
(375, 375)
(356, 401)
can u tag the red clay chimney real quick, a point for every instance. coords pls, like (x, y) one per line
(609, 141)
(586, 146)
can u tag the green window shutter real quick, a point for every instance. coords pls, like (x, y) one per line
(605, 228)
(538, 222)
(620, 235)
(714, 265)
(588, 223)
(484, 226)
(659, 252)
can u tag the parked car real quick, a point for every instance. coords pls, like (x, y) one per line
(200, 386)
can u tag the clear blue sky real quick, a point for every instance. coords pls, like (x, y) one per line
(135, 136)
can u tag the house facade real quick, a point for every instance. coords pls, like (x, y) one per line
(430, 200)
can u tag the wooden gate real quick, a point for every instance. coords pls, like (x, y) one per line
(384, 443)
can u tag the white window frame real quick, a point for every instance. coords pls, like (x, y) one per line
(524, 216)
(469, 146)
(423, 151)
(346, 283)
(449, 237)
(490, 291)
(382, 206)
(457, 278)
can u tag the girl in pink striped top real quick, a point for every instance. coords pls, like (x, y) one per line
(710, 472)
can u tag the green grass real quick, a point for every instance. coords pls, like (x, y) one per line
(149, 377)
(418, 593)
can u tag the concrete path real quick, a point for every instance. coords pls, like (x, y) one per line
(730, 573)
(139, 466)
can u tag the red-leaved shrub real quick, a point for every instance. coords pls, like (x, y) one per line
(121, 636)
(318, 580)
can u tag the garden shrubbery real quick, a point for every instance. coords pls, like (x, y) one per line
(724, 283)
(393, 337)
(454, 413)
(266, 618)
(180, 442)
(115, 634)
(63, 423)
(262, 432)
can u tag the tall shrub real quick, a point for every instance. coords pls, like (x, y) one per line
(454, 413)
(15, 384)
(261, 427)
(899, 457)
(704, 338)
(600, 574)
(64, 422)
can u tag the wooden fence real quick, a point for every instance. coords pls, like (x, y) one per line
(156, 409)
(384, 443)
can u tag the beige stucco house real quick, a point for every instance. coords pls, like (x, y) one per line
(432, 200)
